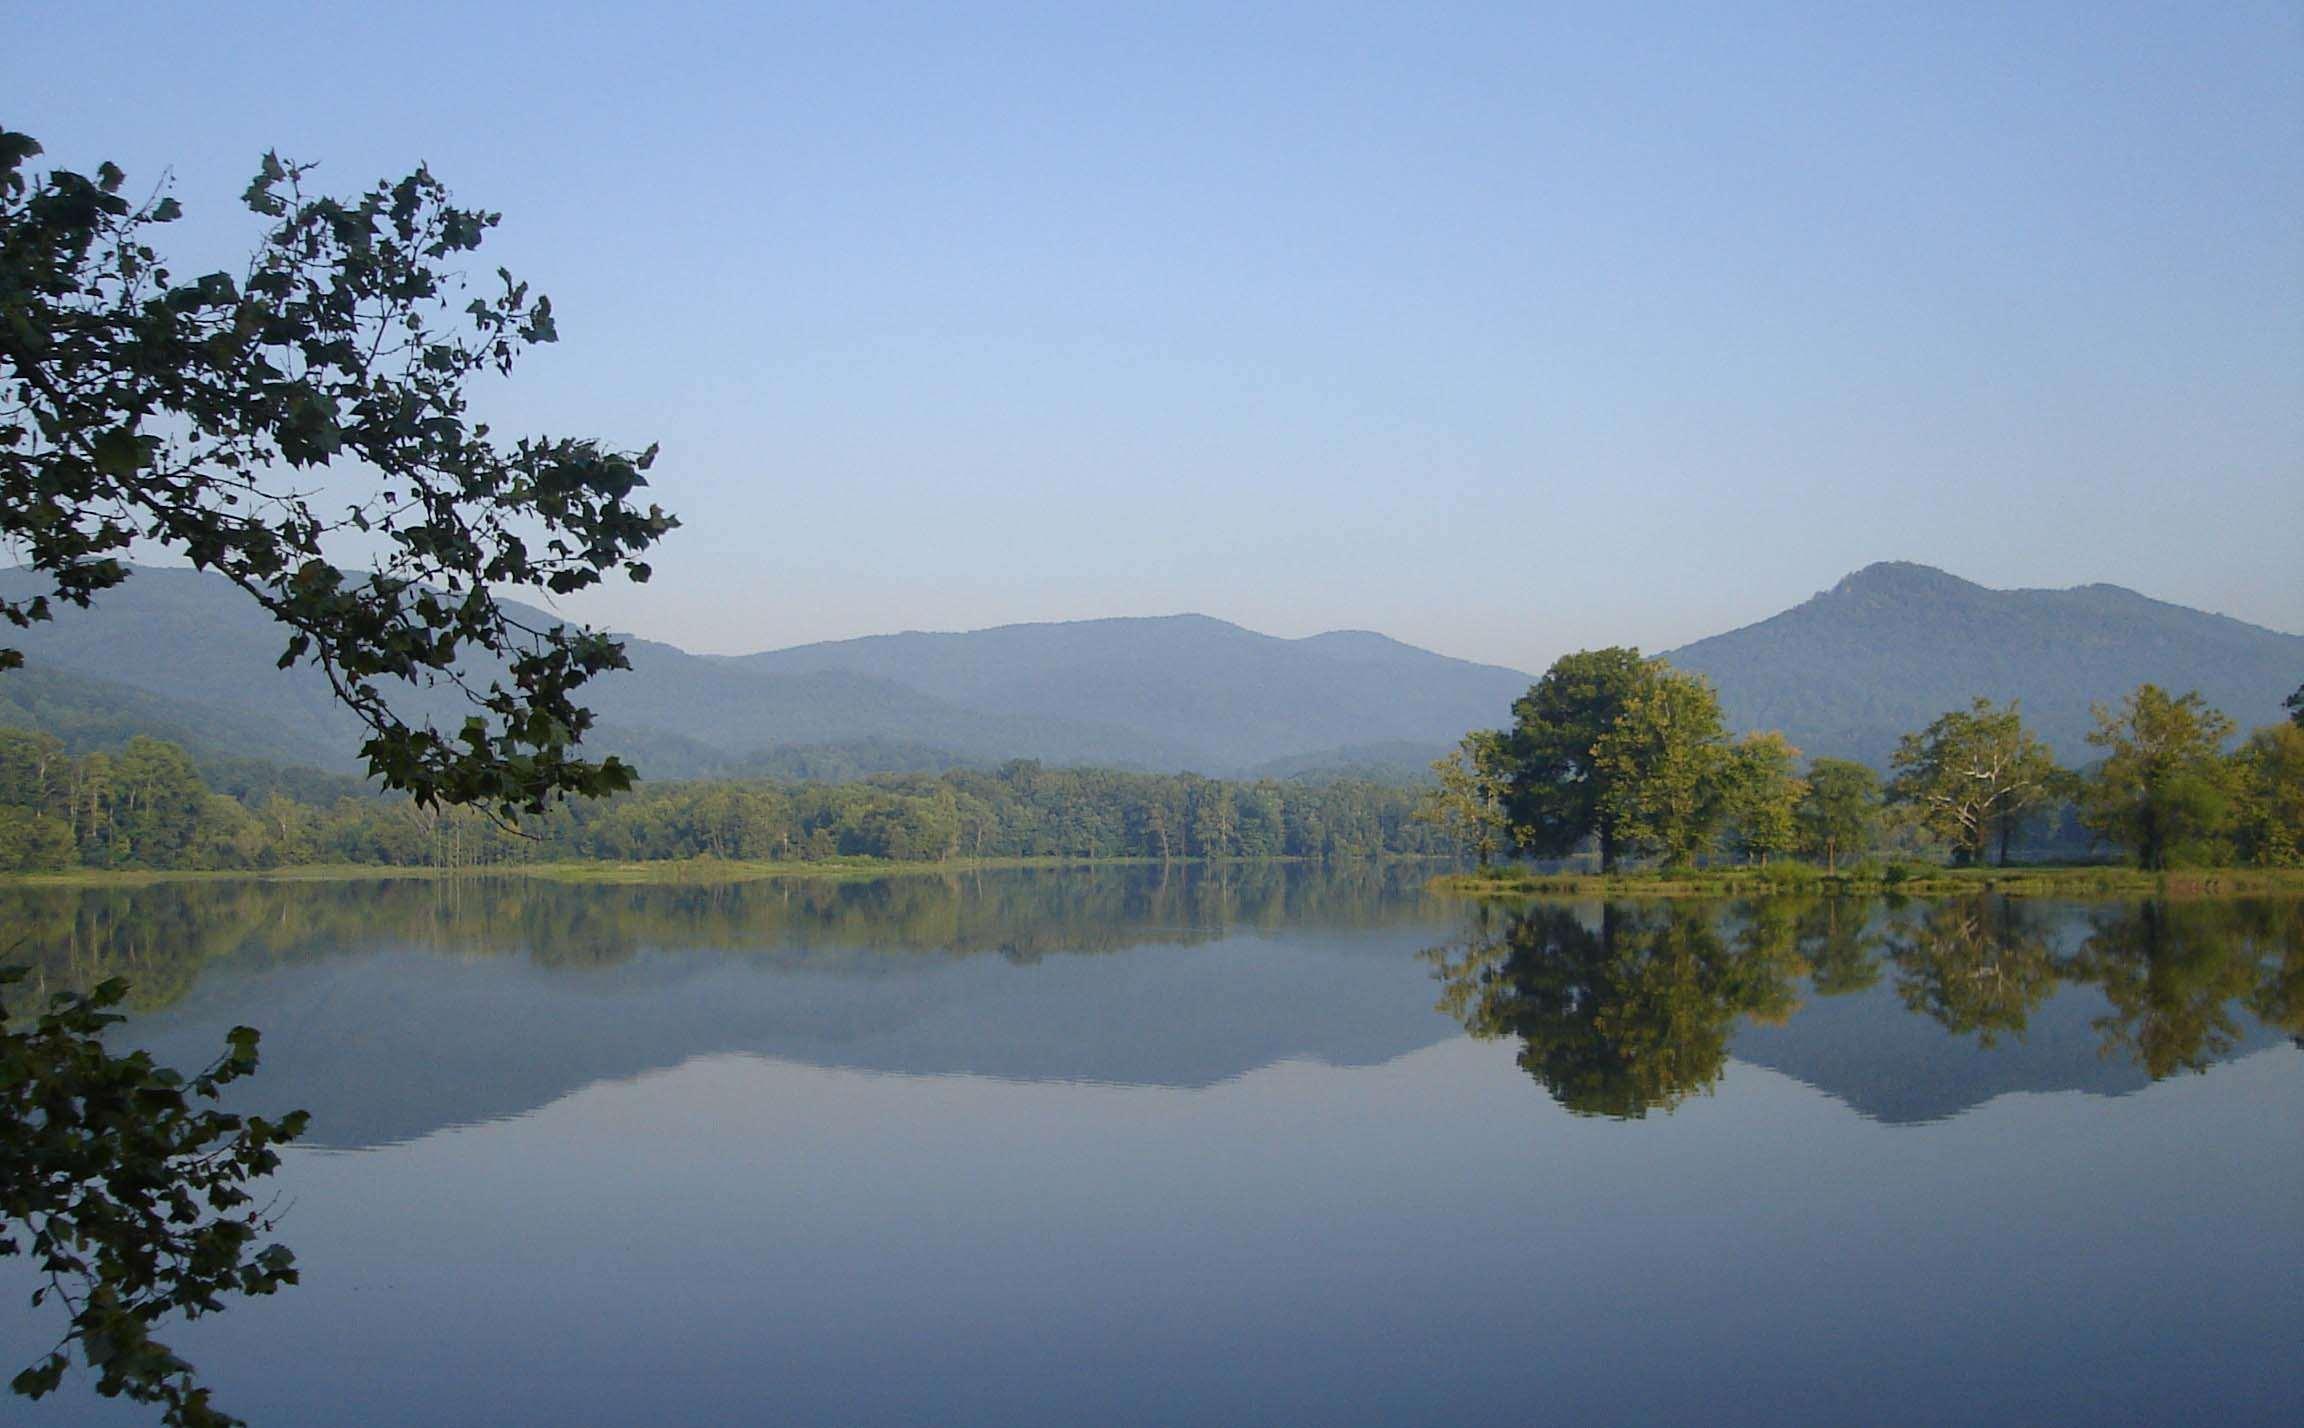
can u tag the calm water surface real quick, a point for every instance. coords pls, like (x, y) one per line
(1251, 1145)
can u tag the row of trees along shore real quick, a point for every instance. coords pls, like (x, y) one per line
(147, 807)
(1619, 757)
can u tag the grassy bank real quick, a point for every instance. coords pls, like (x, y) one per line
(2091, 880)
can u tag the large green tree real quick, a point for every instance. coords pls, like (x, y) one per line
(2163, 789)
(1559, 795)
(301, 428)
(1667, 765)
(1839, 810)
(1969, 772)
(1764, 795)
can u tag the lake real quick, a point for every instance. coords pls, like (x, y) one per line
(1230, 1145)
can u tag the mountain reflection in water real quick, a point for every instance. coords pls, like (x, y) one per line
(1148, 1146)
(394, 1007)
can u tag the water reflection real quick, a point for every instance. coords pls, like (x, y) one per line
(1624, 1014)
(1626, 1008)
(396, 1007)
(161, 935)
(1976, 966)
(1125, 1145)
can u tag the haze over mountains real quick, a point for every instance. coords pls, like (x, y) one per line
(185, 656)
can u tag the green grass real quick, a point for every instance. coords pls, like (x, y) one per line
(2087, 880)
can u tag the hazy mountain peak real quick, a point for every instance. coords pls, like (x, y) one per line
(1895, 644)
(1904, 579)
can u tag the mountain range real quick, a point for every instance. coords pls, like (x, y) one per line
(183, 655)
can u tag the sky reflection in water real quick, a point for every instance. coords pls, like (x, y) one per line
(1126, 1147)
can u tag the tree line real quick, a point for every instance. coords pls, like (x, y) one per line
(1621, 757)
(147, 807)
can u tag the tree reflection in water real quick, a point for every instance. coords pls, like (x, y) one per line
(161, 936)
(1976, 965)
(1623, 1016)
(1625, 1008)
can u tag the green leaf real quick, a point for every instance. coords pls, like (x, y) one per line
(118, 452)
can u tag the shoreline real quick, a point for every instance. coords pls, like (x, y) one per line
(670, 870)
(2067, 880)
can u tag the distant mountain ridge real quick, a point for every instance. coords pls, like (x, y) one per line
(1893, 645)
(1241, 697)
(1170, 693)
(185, 656)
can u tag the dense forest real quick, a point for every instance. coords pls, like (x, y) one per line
(148, 807)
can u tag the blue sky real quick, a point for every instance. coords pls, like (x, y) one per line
(1504, 329)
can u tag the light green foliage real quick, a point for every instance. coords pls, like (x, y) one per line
(1468, 805)
(129, 1197)
(2163, 790)
(1559, 793)
(1667, 766)
(1763, 796)
(1965, 777)
(2269, 777)
(255, 425)
(1838, 812)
